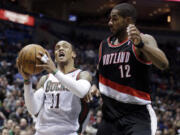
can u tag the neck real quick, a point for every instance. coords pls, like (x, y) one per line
(121, 36)
(66, 67)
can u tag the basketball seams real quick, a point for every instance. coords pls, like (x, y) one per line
(26, 61)
(27, 58)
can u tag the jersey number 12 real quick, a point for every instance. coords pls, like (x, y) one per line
(125, 71)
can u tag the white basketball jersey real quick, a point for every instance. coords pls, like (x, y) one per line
(60, 112)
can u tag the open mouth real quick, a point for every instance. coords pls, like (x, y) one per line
(61, 55)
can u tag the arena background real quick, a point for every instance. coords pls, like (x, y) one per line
(84, 23)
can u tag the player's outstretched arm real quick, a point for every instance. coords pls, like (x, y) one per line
(78, 87)
(147, 45)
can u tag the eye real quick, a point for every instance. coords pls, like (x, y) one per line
(57, 47)
(114, 19)
(66, 47)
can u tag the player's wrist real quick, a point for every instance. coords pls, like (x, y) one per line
(27, 81)
(140, 45)
(54, 71)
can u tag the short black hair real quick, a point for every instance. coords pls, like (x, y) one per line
(126, 10)
(72, 46)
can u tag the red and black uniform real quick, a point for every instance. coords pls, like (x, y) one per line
(125, 88)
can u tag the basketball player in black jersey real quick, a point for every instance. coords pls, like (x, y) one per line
(124, 62)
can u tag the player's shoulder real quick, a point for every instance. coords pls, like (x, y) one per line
(84, 72)
(85, 75)
(147, 36)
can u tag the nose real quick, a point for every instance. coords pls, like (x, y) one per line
(110, 23)
(61, 48)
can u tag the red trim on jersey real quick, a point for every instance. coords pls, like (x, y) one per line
(78, 76)
(124, 89)
(100, 51)
(117, 45)
(139, 59)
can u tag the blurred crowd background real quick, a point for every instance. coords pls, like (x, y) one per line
(46, 31)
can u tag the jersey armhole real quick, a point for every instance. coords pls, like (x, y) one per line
(138, 58)
(78, 75)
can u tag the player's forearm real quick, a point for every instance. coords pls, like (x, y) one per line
(78, 87)
(153, 53)
(32, 101)
(156, 56)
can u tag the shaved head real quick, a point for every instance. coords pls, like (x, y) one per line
(61, 42)
(126, 10)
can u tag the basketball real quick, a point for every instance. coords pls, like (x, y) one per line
(27, 58)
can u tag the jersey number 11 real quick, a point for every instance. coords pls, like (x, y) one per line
(55, 104)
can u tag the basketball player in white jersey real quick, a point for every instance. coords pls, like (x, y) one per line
(57, 102)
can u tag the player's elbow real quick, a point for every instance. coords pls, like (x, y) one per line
(164, 65)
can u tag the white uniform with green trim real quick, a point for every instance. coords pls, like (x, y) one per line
(60, 111)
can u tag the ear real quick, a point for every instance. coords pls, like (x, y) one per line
(129, 20)
(73, 54)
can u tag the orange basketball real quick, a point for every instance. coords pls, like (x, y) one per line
(27, 58)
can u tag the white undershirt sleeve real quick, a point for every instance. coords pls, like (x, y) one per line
(33, 100)
(78, 87)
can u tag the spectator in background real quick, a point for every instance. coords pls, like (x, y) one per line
(2, 119)
(5, 131)
(17, 130)
(17, 115)
(23, 124)
(23, 132)
(5, 109)
(4, 67)
(9, 126)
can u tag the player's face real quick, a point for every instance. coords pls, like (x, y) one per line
(116, 22)
(64, 52)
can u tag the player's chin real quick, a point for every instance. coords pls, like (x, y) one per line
(61, 60)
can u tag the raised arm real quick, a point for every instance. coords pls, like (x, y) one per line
(33, 100)
(153, 53)
(146, 44)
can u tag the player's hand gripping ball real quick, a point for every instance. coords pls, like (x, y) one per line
(27, 58)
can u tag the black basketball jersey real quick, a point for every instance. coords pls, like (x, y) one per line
(123, 77)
